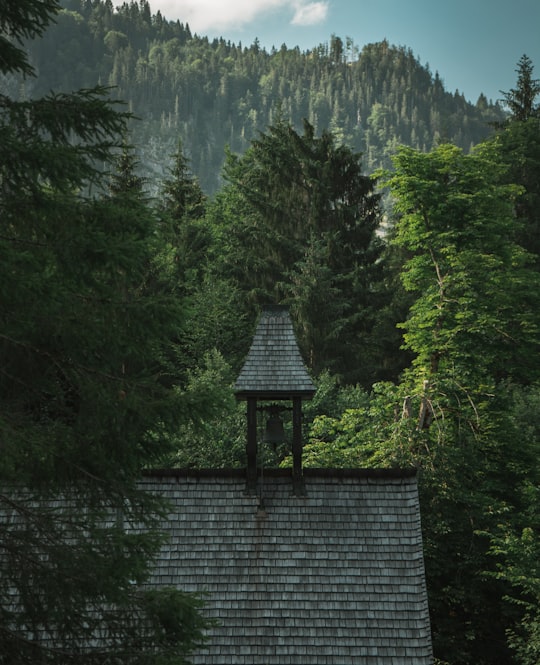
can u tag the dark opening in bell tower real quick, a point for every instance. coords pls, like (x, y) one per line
(274, 371)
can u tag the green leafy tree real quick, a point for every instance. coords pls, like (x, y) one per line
(88, 395)
(473, 333)
(473, 329)
(515, 542)
(466, 268)
(219, 440)
(517, 549)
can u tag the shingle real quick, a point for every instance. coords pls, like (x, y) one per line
(332, 578)
(274, 364)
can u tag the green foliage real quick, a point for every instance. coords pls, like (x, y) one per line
(89, 390)
(472, 328)
(176, 619)
(515, 540)
(217, 440)
(214, 93)
(521, 100)
(307, 236)
(519, 143)
(124, 326)
(518, 140)
(466, 269)
(470, 481)
(519, 553)
(459, 413)
(19, 21)
(181, 207)
(181, 195)
(331, 397)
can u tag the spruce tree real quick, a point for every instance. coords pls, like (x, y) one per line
(521, 100)
(181, 207)
(519, 141)
(305, 222)
(88, 392)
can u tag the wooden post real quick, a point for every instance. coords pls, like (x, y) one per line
(251, 445)
(298, 478)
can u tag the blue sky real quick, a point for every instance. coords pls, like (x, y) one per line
(473, 44)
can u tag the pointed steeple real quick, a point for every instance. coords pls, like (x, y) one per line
(274, 370)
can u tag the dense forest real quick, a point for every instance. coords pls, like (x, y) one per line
(399, 223)
(217, 93)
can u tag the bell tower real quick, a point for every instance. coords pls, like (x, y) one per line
(274, 371)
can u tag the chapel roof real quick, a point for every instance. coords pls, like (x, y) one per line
(274, 368)
(334, 577)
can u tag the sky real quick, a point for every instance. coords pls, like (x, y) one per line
(474, 45)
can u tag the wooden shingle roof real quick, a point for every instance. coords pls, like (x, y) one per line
(335, 577)
(274, 368)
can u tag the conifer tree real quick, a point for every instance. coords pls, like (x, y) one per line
(306, 219)
(519, 141)
(181, 194)
(88, 395)
(181, 207)
(521, 100)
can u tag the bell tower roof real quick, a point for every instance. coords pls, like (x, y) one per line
(274, 368)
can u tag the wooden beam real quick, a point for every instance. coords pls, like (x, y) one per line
(251, 445)
(298, 478)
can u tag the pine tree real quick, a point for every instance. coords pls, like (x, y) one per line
(20, 21)
(181, 194)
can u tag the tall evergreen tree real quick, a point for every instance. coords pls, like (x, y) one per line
(305, 221)
(521, 100)
(181, 194)
(87, 394)
(124, 180)
(181, 207)
(519, 141)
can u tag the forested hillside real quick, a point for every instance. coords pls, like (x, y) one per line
(217, 93)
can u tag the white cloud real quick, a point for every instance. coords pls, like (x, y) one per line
(310, 13)
(217, 15)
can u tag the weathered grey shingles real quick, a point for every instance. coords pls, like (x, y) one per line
(274, 363)
(332, 578)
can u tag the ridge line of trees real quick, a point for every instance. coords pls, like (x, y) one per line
(217, 93)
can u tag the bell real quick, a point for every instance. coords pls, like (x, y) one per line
(274, 432)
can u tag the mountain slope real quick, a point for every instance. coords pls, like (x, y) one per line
(213, 94)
